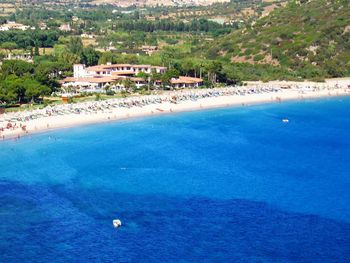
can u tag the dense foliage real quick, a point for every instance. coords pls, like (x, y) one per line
(306, 39)
(30, 38)
(168, 25)
(23, 82)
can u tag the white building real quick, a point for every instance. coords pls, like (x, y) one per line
(120, 69)
(97, 78)
(25, 57)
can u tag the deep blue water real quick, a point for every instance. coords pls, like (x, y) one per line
(227, 185)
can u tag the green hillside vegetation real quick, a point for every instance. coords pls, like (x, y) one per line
(305, 39)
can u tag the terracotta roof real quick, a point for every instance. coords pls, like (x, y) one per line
(125, 72)
(186, 80)
(143, 66)
(91, 79)
(137, 79)
(112, 66)
(97, 68)
(160, 67)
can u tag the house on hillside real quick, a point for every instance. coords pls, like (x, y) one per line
(65, 28)
(42, 26)
(10, 25)
(89, 36)
(149, 50)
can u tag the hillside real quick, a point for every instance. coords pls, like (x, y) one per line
(306, 39)
(141, 3)
(122, 3)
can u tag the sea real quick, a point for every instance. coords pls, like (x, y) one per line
(221, 185)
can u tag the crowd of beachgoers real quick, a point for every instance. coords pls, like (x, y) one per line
(19, 120)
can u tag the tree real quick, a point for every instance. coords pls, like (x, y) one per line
(75, 46)
(21, 89)
(187, 66)
(33, 89)
(167, 55)
(107, 57)
(46, 73)
(17, 67)
(12, 89)
(334, 68)
(90, 56)
(213, 68)
(36, 51)
(64, 56)
(167, 76)
(9, 46)
(145, 77)
(128, 84)
(154, 77)
(8, 93)
(233, 75)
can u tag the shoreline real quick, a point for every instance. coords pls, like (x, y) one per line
(45, 124)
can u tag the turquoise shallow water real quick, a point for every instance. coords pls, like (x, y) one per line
(226, 185)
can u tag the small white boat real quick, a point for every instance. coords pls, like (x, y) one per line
(285, 120)
(117, 223)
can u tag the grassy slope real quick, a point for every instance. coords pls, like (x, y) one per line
(308, 40)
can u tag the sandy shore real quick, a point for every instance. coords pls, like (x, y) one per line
(63, 121)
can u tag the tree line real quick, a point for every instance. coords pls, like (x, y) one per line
(30, 38)
(195, 25)
(23, 82)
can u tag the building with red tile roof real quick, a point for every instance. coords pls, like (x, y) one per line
(97, 78)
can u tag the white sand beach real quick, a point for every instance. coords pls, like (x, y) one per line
(16, 125)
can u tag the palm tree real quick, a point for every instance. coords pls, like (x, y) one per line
(107, 88)
(128, 84)
(145, 77)
(154, 77)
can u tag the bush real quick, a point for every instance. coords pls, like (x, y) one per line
(259, 57)
(110, 92)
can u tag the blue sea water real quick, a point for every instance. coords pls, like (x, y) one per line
(224, 185)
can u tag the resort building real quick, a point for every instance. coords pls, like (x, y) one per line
(186, 82)
(98, 78)
(115, 70)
